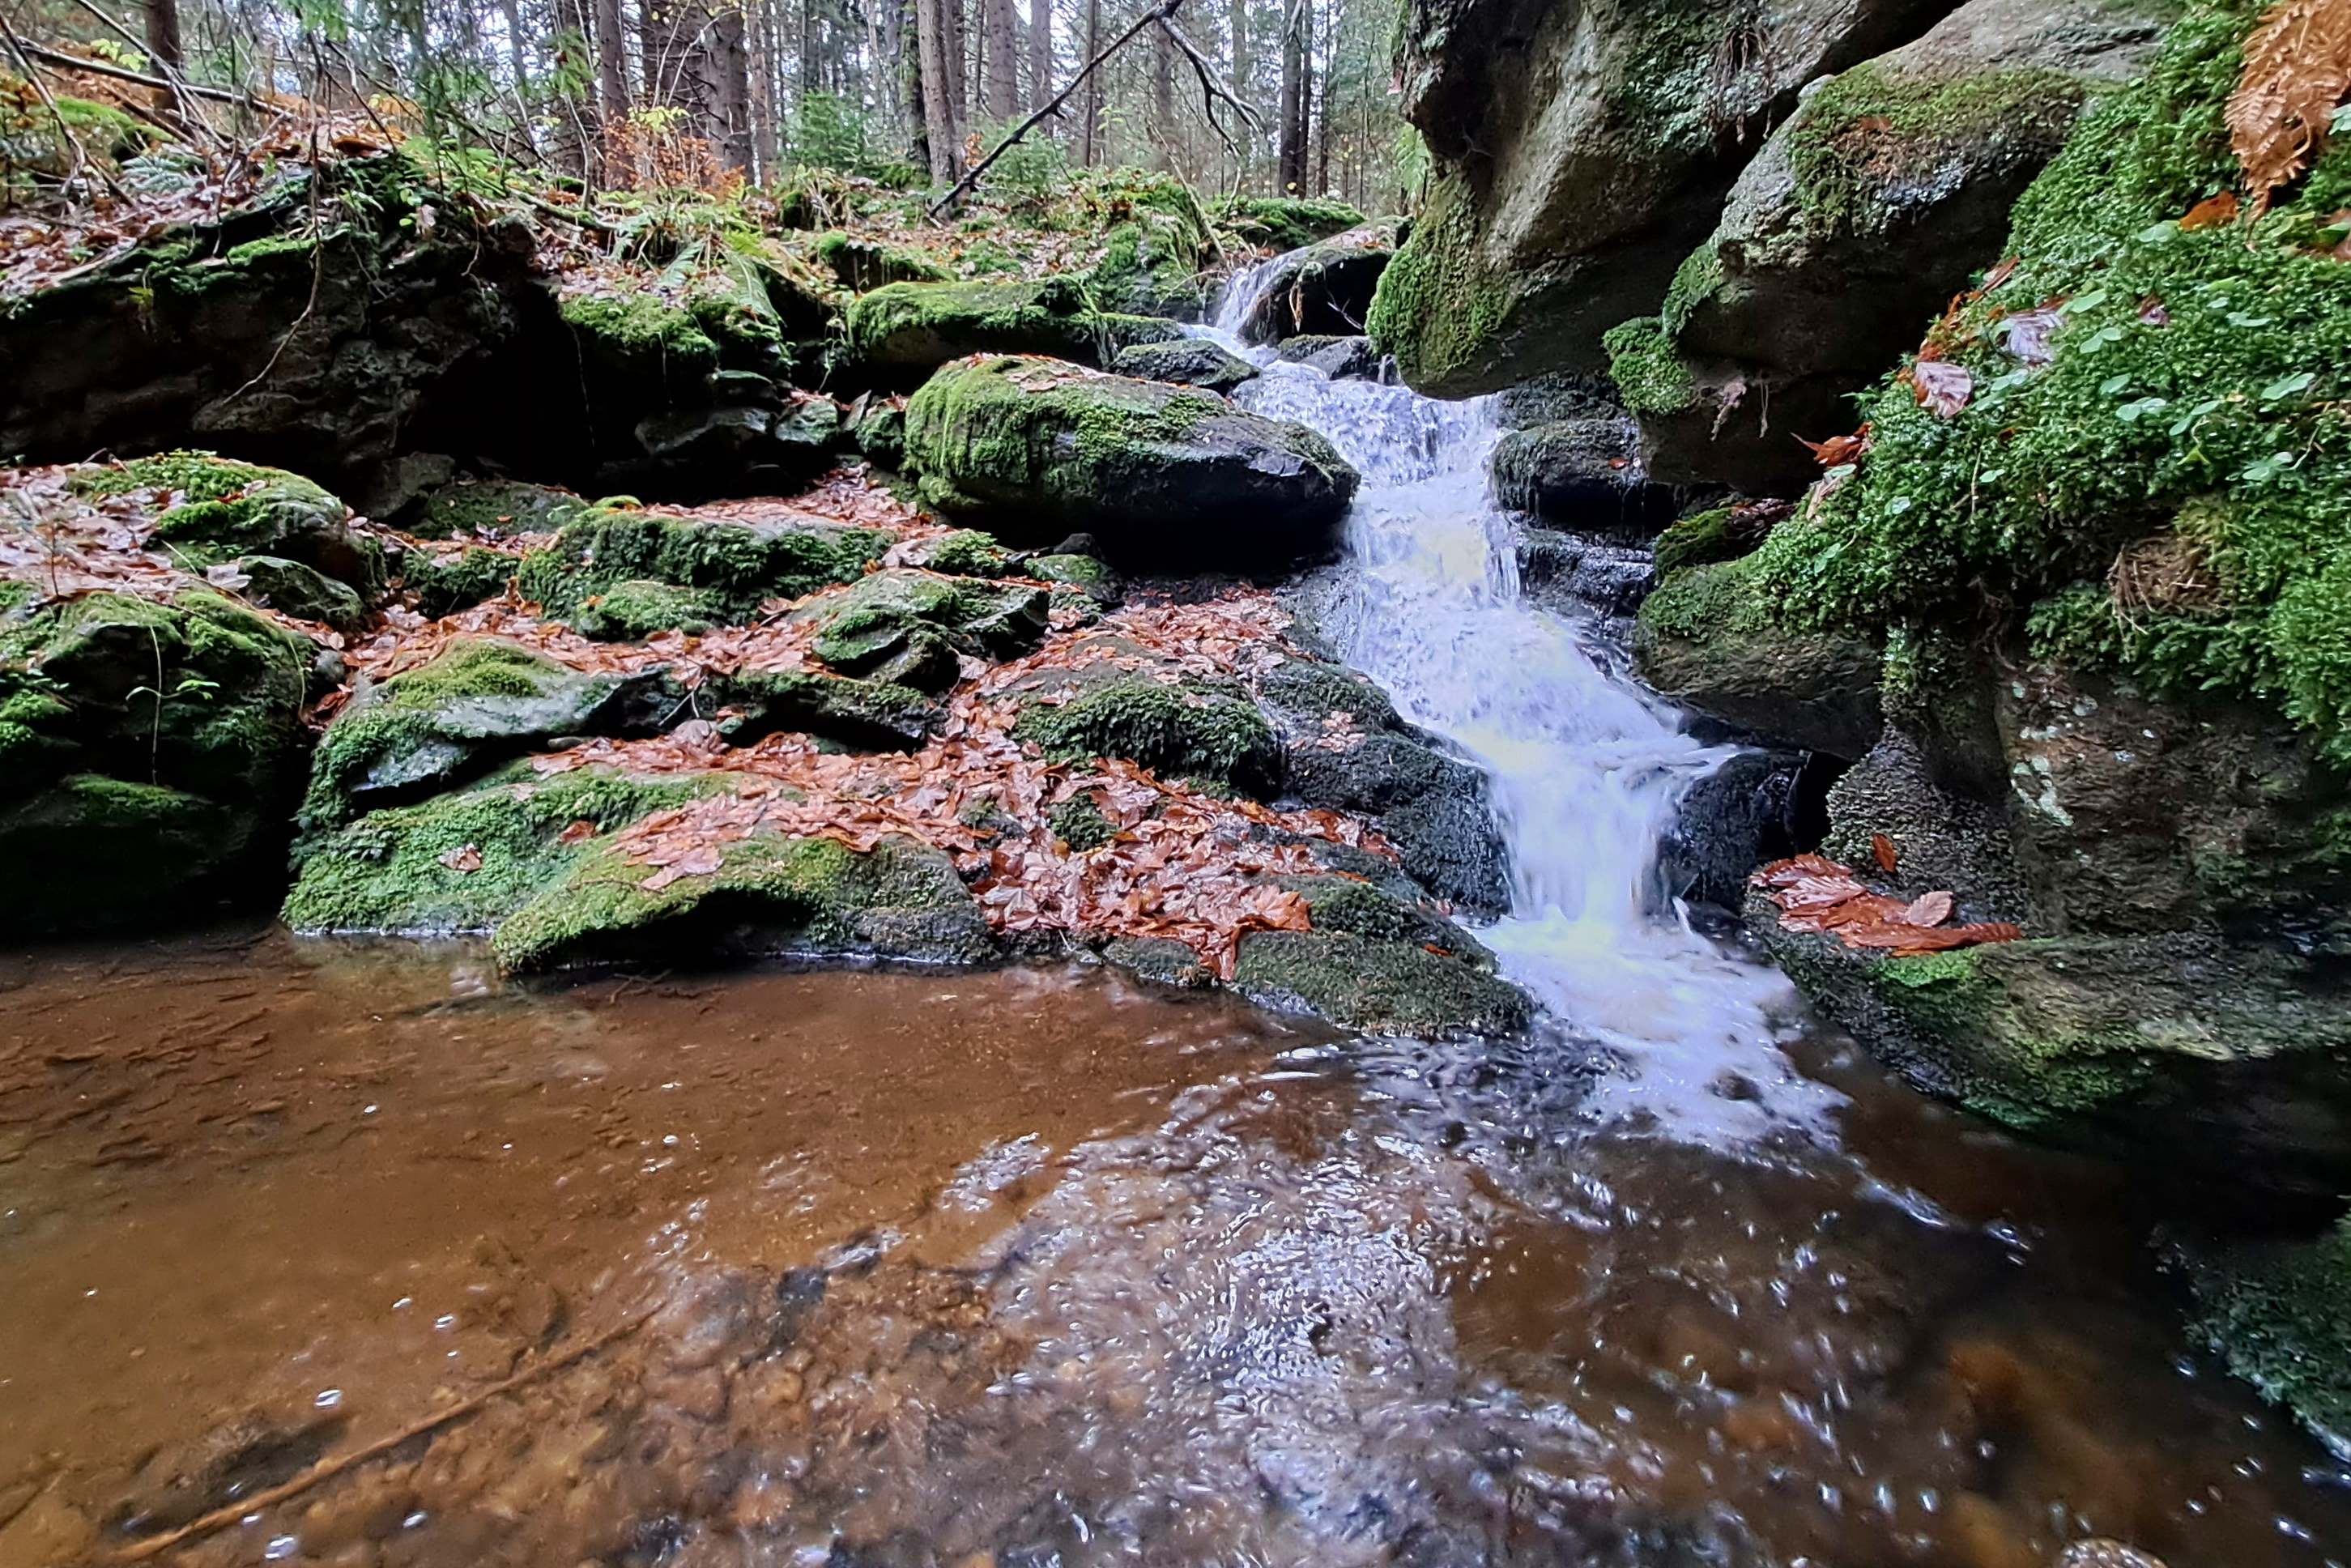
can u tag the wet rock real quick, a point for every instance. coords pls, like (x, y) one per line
(234, 1460)
(1555, 396)
(1942, 834)
(737, 567)
(2279, 1313)
(1584, 474)
(491, 508)
(1760, 806)
(292, 589)
(1345, 749)
(1609, 576)
(1165, 478)
(1160, 960)
(759, 448)
(1187, 362)
(1869, 208)
(1581, 153)
(149, 748)
(2105, 1555)
(1705, 639)
(1324, 287)
(1341, 358)
(894, 625)
(901, 332)
(877, 429)
(869, 714)
(2194, 1057)
(1377, 985)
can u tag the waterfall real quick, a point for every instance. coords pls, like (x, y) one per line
(1587, 768)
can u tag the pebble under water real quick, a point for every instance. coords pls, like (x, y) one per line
(1037, 1267)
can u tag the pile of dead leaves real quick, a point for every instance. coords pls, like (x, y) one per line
(1815, 893)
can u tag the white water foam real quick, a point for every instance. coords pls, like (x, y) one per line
(1588, 769)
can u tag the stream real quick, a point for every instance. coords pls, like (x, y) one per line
(1040, 1266)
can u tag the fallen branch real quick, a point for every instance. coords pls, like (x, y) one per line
(327, 1470)
(1158, 12)
(102, 69)
(81, 160)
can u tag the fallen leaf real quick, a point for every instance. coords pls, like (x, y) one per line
(2297, 69)
(1928, 909)
(1943, 388)
(2212, 213)
(1999, 275)
(462, 859)
(1838, 449)
(1881, 849)
(2027, 334)
(2152, 312)
(580, 830)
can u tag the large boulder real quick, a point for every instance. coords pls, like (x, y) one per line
(1164, 476)
(732, 567)
(910, 627)
(1867, 210)
(1581, 152)
(899, 333)
(1322, 289)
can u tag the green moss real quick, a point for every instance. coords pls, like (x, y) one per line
(401, 870)
(1646, 367)
(1080, 823)
(968, 552)
(445, 581)
(1438, 305)
(91, 852)
(224, 510)
(737, 566)
(1866, 130)
(496, 508)
(1707, 601)
(1366, 983)
(918, 326)
(2184, 365)
(1185, 731)
(1152, 264)
(641, 332)
(1089, 576)
(1701, 538)
(193, 476)
(633, 609)
(863, 264)
(811, 896)
(2280, 1315)
(1695, 281)
(1284, 223)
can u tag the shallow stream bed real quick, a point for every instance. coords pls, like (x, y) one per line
(1031, 1266)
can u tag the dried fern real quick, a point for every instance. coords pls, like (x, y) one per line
(2297, 69)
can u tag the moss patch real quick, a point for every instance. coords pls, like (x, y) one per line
(1648, 369)
(2280, 1315)
(736, 566)
(1387, 986)
(1191, 730)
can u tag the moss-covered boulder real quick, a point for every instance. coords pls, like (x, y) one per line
(477, 704)
(1707, 638)
(209, 511)
(2190, 1056)
(860, 263)
(1323, 288)
(910, 626)
(1345, 749)
(1163, 476)
(1866, 211)
(1112, 697)
(1379, 985)
(1152, 263)
(1585, 474)
(491, 508)
(770, 893)
(1185, 362)
(147, 748)
(636, 608)
(290, 588)
(2279, 1313)
(904, 330)
(445, 579)
(1282, 224)
(735, 566)
(877, 715)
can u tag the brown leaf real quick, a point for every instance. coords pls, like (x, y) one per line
(1928, 909)
(1881, 849)
(577, 832)
(1999, 275)
(462, 859)
(2026, 335)
(2297, 69)
(700, 860)
(2212, 213)
(1943, 388)
(1838, 449)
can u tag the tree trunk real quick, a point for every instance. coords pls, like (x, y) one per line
(1290, 173)
(164, 43)
(1003, 61)
(1237, 23)
(612, 63)
(729, 55)
(941, 88)
(1090, 101)
(1041, 53)
(890, 62)
(574, 105)
(1165, 138)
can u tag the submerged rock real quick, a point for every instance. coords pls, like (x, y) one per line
(1165, 476)
(2279, 1313)
(1322, 289)
(1867, 210)
(1380, 986)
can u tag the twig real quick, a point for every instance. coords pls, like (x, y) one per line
(327, 1470)
(104, 68)
(81, 155)
(177, 84)
(1158, 12)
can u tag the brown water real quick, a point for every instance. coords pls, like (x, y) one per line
(1030, 1268)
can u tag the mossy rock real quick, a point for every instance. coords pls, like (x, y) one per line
(863, 264)
(1704, 538)
(1194, 729)
(1187, 361)
(1711, 638)
(640, 335)
(888, 624)
(1284, 223)
(770, 894)
(1162, 475)
(878, 431)
(1089, 575)
(1377, 984)
(737, 566)
(904, 329)
(2195, 1058)
(447, 580)
(147, 749)
(1584, 474)
(1151, 264)
(290, 588)
(405, 870)
(634, 609)
(221, 509)
(1322, 289)
(967, 552)
(31, 142)
(479, 703)
(866, 715)
(2279, 1314)
(494, 509)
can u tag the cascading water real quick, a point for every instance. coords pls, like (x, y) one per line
(1588, 769)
